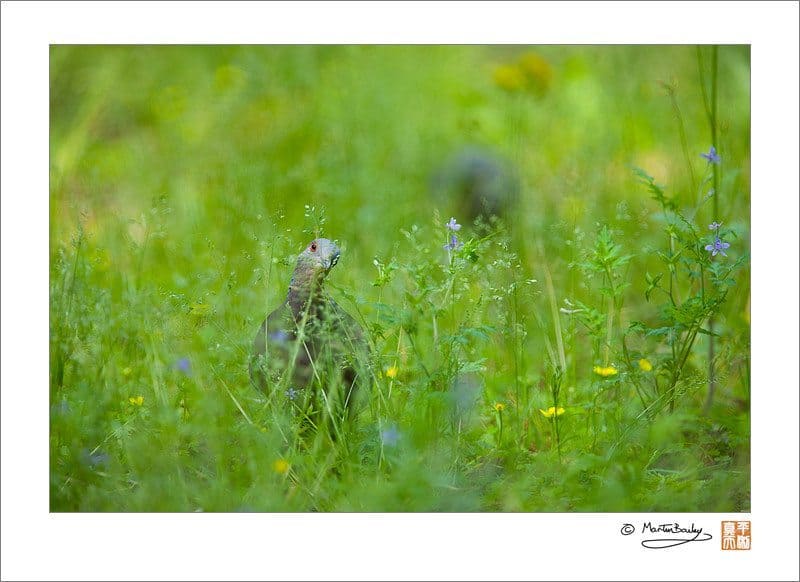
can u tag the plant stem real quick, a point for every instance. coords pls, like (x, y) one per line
(683, 355)
(516, 361)
(558, 376)
(712, 380)
(610, 317)
(682, 131)
(551, 294)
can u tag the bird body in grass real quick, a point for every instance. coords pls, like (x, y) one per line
(309, 350)
(477, 182)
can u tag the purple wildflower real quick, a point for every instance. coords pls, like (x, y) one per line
(279, 336)
(453, 225)
(712, 156)
(719, 246)
(184, 365)
(714, 225)
(390, 436)
(454, 244)
(61, 408)
(94, 459)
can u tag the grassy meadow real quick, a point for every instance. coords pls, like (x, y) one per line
(555, 358)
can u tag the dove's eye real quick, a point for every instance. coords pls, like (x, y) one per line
(313, 247)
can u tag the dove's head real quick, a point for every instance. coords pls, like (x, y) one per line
(317, 259)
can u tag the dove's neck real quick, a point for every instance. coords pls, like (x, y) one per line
(305, 293)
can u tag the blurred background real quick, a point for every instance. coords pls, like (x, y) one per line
(235, 133)
(185, 179)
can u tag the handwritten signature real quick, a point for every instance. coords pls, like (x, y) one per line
(677, 535)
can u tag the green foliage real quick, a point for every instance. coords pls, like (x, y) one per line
(186, 180)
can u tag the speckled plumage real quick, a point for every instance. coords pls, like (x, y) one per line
(309, 346)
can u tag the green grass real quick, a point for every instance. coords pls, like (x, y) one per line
(185, 181)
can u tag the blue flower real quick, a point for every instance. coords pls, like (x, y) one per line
(712, 156)
(454, 244)
(184, 365)
(390, 436)
(291, 394)
(719, 246)
(94, 459)
(453, 225)
(279, 336)
(714, 225)
(61, 408)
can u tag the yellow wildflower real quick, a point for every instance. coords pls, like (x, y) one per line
(280, 466)
(605, 371)
(509, 77)
(499, 406)
(126, 371)
(136, 400)
(552, 411)
(645, 365)
(538, 72)
(391, 372)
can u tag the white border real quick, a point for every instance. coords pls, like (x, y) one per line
(36, 545)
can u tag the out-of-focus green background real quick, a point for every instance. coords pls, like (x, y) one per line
(185, 178)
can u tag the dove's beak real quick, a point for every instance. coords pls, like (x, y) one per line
(332, 261)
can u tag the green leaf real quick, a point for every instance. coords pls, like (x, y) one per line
(652, 284)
